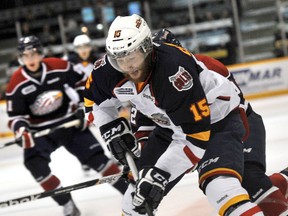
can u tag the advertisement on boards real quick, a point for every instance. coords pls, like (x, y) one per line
(262, 77)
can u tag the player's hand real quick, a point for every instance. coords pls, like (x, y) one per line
(127, 175)
(80, 114)
(120, 139)
(25, 138)
(149, 189)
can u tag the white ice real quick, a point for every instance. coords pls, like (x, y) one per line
(102, 200)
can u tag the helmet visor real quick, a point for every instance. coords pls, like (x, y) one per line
(130, 62)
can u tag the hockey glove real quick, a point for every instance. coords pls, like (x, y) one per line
(149, 189)
(120, 140)
(80, 114)
(25, 138)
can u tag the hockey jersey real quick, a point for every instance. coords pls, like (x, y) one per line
(44, 102)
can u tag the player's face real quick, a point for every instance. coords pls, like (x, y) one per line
(31, 59)
(84, 51)
(133, 65)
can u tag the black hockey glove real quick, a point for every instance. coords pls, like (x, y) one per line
(120, 139)
(149, 189)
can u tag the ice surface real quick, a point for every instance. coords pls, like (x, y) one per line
(102, 200)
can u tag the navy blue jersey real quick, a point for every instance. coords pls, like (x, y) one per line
(43, 102)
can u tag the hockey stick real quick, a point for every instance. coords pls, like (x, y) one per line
(134, 171)
(47, 131)
(64, 190)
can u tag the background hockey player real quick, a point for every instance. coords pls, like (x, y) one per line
(84, 54)
(83, 57)
(196, 112)
(41, 95)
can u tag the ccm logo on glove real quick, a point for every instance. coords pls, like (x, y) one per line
(120, 139)
(158, 177)
(113, 131)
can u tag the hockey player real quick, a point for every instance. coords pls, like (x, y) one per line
(83, 56)
(41, 95)
(255, 181)
(195, 109)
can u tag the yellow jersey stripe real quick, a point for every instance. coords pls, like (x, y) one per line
(204, 136)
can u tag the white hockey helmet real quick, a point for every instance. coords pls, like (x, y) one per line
(81, 40)
(126, 34)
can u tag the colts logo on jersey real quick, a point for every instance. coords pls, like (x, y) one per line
(182, 80)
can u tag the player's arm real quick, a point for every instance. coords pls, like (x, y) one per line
(16, 107)
(185, 100)
(102, 109)
(19, 119)
(17, 115)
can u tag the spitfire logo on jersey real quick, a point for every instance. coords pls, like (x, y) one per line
(182, 80)
(47, 102)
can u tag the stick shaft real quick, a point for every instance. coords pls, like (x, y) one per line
(134, 171)
(47, 131)
(60, 191)
(69, 124)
